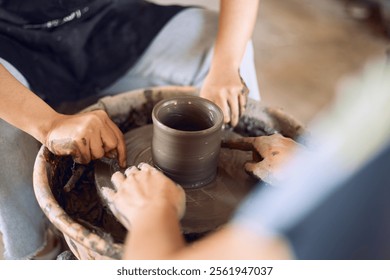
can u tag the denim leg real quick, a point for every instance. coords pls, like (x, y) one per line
(181, 55)
(22, 222)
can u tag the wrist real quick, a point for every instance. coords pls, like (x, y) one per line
(45, 124)
(224, 76)
(156, 211)
(224, 64)
(154, 234)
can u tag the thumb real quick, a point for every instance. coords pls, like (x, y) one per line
(108, 194)
(258, 169)
(181, 205)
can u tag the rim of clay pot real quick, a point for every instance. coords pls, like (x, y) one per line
(216, 125)
(56, 214)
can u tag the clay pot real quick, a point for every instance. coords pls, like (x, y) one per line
(186, 139)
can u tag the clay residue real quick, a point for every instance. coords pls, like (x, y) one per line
(82, 203)
(251, 127)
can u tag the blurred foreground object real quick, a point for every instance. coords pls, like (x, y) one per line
(377, 11)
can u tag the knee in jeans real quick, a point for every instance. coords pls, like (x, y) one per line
(204, 22)
(16, 146)
(10, 68)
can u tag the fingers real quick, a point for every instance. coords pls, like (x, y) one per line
(118, 178)
(112, 140)
(243, 99)
(108, 194)
(109, 142)
(146, 167)
(139, 173)
(238, 102)
(96, 149)
(235, 104)
(111, 198)
(82, 152)
(79, 149)
(131, 171)
(259, 170)
(120, 143)
(141, 186)
(86, 136)
(181, 205)
(112, 154)
(233, 100)
(231, 106)
(225, 109)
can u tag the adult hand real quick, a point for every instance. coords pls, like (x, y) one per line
(226, 89)
(86, 136)
(269, 154)
(142, 188)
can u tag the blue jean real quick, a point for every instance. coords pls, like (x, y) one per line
(175, 57)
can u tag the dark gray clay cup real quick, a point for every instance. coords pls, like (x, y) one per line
(186, 139)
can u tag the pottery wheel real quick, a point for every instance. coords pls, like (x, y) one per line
(207, 207)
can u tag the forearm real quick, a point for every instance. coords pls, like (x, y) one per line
(22, 108)
(236, 24)
(154, 234)
(235, 243)
(160, 238)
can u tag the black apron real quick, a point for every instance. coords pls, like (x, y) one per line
(69, 50)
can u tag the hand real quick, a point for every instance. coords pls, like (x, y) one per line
(269, 154)
(228, 91)
(142, 188)
(86, 136)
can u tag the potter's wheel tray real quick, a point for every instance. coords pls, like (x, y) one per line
(208, 206)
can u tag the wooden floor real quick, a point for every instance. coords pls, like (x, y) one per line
(303, 49)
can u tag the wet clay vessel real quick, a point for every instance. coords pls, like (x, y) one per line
(101, 237)
(187, 133)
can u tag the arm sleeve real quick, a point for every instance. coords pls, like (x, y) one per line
(332, 202)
